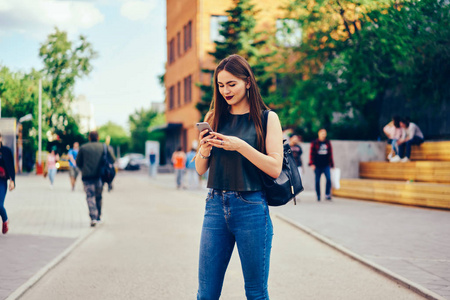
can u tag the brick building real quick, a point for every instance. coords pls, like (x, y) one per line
(192, 27)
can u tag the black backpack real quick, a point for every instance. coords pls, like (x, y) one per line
(107, 170)
(283, 189)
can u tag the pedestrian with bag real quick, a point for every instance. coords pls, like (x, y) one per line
(321, 161)
(90, 160)
(235, 152)
(7, 172)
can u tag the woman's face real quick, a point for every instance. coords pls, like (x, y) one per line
(232, 88)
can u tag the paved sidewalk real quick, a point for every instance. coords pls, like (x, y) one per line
(43, 223)
(148, 249)
(409, 241)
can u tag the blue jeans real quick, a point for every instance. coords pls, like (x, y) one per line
(3, 190)
(414, 141)
(51, 175)
(326, 171)
(180, 174)
(235, 217)
(395, 146)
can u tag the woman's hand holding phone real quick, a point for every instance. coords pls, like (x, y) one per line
(205, 147)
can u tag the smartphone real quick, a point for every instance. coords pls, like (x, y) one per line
(202, 126)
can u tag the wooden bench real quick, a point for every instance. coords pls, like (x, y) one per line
(435, 151)
(415, 193)
(426, 171)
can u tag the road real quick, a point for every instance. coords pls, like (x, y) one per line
(147, 248)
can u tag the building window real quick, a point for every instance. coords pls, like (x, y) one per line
(171, 51)
(187, 31)
(289, 33)
(215, 26)
(171, 97)
(188, 89)
(179, 44)
(179, 93)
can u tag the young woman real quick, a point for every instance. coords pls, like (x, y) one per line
(235, 152)
(52, 158)
(7, 172)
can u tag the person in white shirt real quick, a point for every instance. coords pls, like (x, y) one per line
(414, 136)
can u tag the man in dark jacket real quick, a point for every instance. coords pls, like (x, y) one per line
(89, 161)
(321, 160)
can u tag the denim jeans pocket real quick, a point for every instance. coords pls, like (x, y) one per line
(251, 197)
(209, 196)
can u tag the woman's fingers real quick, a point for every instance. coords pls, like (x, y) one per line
(203, 133)
(217, 143)
(220, 136)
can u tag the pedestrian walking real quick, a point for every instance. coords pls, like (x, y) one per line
(108, 145)
(179, 164)
(192, 175)
(52, 158)
(89, 162)
(321, 160)
(7, 172)
(73, 169)
(414, 136)
(236, 210)
(152, 166)
(294, 143)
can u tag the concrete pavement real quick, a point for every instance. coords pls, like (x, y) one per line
(412, 242)
(43, 223)
(148, 249)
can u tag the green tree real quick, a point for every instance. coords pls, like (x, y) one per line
(64, 62)
(355, 52)
(239, 37)
(119, 136)
(19, 95)
(140, 123)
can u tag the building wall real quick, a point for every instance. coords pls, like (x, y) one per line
(191, 62)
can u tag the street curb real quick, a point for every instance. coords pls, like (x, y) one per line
(422, 291)
(36, 277)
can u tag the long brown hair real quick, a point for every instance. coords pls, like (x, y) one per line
(239, 67)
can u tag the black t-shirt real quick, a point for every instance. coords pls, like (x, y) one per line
(322, 159)
(297, 154)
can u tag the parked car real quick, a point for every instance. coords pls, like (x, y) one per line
(132, 162)
(63, 163)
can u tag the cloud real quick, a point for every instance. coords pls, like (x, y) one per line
(37, 17)
(137, 10)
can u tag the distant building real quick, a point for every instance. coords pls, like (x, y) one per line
(192, 28)
(83, 112)
(159, 107)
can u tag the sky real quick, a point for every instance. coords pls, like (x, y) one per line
(129, 36)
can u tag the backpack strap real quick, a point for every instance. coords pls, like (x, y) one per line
(265, 119)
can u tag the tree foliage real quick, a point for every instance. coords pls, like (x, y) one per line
(355, 52)
(240, 37)
(140, 123)
(119, 136)
(64, 61)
